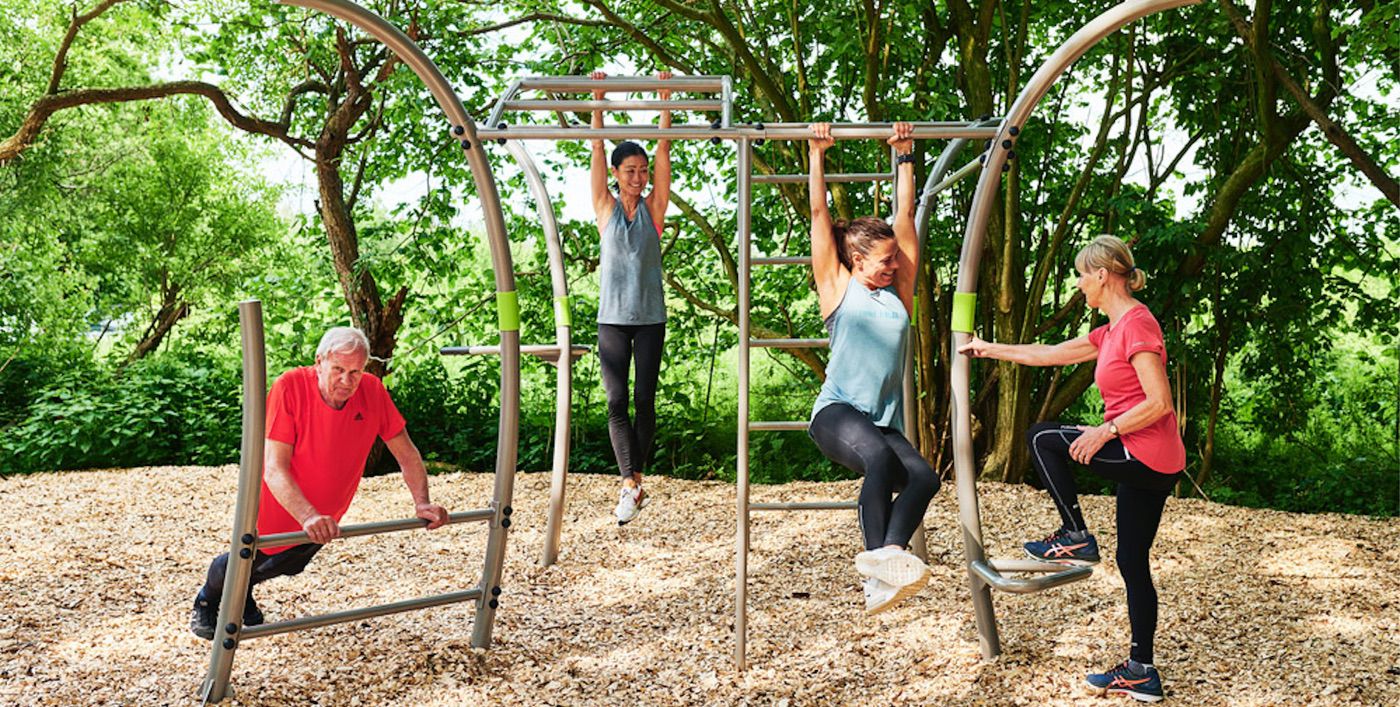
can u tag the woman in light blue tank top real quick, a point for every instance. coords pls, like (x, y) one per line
(864, 272)
(631, 302)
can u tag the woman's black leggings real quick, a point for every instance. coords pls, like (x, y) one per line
(889, 464)
(631, 436)
(1142, 493)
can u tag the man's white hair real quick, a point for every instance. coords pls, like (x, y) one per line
(343, 340)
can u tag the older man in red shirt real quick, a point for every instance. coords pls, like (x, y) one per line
(322, 421)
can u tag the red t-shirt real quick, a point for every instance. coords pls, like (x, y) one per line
(329, 446)
(1159, 444)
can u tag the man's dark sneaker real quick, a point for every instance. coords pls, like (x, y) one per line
(1066, 547)
(1138, 681)
(203, 618)
(251, 615)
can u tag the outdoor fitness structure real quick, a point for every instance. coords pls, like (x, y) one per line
(1001, 134)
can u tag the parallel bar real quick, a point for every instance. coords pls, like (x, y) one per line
(340, 617)
(784, 260)
(789, 343)
(777, 425)
(560, 105)
(375, 528)
(854, 177)
(546, 351)
(1013, 585)
(1027, 565)
(588, 84)
(805, 506)
(787, 131)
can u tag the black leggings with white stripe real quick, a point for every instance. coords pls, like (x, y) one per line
(1142, 493)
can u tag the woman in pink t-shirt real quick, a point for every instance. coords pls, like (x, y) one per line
(1137, 446)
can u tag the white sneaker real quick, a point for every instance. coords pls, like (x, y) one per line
(879, 596)
(630, 502)
(898, 570)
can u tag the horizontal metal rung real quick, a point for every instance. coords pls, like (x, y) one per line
(340, 617)
(777, 425)
(587, 84)
(376, 528)
(614, 105)
(830, 178)
(548, 352)
(785, 131)
(805, 506)
(784, 260)
(1015, 585)
(789, 343)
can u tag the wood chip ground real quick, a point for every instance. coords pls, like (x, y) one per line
(99, 568)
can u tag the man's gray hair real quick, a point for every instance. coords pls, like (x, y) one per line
(343, 340)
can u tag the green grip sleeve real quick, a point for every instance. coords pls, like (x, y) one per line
(563, 312)
(508, 310)
(964, 311)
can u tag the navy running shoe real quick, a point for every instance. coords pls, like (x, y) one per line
(1066, 547)
(1141, 683)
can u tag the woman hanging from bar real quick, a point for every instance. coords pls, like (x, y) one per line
(1138, 446)
(864, 272)
(631, 303)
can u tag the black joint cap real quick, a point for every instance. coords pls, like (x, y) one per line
(759, 126)
(500, 141)
(507, 510)
(1006, 144)
(245, 553)
(986, 116)
(1011, 154)
(758, 141)
(505, 522)
(716, 125)
(714, 141)
(466, 144)
(231, 629)
(229, 643)
(247, 538)
(987, 146)
(1014, 131)
(495, 591)
(1005, 166)
(493, 603)
(982, 158)
(459, 130)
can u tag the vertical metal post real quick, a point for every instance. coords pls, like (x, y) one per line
(918, 542)
(741, 535)
(245, 513)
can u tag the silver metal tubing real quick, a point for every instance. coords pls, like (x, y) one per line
(805, 506)
(563, 328)
(741, 534)
(784, 131)
(612, 106)
(980, 576)
(1026, 565)
(726, 94)
(789, 343)
(588, 84)
(511, 90)
(955, 177)
(783, 260)
(830, 178)
(245, 514)
(463, 129)
(1015, 585)
(548, 352)
(777, 425)
(340, 617)
(375, 528)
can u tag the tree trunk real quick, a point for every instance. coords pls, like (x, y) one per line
(172, 309)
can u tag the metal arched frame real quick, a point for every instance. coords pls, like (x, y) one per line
(984, 575)
(497, 515)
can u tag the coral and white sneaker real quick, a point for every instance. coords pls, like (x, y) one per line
(1140, 682)
(630, 502)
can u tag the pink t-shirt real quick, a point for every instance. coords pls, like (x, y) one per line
(329, 446)
(1159, 444)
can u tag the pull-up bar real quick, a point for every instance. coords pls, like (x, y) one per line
(588, 84)
(757, 131)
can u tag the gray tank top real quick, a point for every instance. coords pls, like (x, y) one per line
(629, 270)
(869, 330)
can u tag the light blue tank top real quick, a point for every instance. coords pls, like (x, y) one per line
(869, 330)
(629, 270)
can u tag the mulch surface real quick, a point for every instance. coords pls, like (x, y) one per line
(99, 569)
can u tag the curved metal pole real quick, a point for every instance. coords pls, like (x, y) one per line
(964, 302)
(563, 323)
(508, 311)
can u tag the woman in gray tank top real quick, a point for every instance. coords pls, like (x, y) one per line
(631, 302)
(864, 272)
